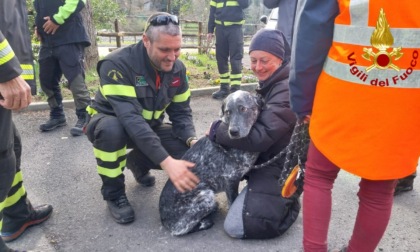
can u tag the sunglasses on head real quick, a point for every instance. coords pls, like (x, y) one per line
(162, 20)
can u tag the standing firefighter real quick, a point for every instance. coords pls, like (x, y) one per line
(59, 26)
(16, 211)
(225, 20)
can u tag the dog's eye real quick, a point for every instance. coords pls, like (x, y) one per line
(243, 109)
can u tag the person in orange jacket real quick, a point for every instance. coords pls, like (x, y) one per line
(356, 79)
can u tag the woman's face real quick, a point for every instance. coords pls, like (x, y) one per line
(264, 64)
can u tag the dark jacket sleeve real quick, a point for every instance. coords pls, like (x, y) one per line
(9, 64)
(128, 111)
(275, 120)
(180, 112)
(65, 11)
(244, 3)
(314, 34)
(271, 4)
(211, 24)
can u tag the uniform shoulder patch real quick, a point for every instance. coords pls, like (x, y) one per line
(141, 81)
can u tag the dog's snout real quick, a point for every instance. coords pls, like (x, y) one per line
(234, 133)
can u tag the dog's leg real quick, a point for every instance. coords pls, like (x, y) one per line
(196, 217)
(232, 191)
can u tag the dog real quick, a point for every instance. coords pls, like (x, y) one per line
(219, 169)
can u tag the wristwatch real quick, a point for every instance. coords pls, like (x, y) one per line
(189, 140)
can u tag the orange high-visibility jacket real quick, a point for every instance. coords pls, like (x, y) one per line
(366, 112)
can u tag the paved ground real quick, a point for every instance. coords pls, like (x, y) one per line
(60, 169)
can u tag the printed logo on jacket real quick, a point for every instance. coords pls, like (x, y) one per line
(176, 82)
(383, 57)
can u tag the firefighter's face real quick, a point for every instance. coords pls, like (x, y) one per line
(163, 51)
(264, 64)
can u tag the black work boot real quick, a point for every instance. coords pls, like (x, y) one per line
(82, 120)
(222, 92)
(121, 210)
(38, 215)
(405, 184)
(235, 88)
(142, 176)
(53, 123)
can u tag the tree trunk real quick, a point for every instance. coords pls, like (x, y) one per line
(91, 52)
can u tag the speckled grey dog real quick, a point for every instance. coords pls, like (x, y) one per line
(218, 168)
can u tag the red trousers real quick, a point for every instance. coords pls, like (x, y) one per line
(375, 204)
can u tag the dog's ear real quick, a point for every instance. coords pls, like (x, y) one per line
(222, 113)
(222, 109)
(259, 101)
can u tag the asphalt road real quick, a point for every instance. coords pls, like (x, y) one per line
(61, 170)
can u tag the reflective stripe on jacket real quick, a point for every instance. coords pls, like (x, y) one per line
(226, 13)
(366, 114)
(20, 42)
(9, 64)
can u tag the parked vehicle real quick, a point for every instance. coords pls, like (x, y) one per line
(270, 21)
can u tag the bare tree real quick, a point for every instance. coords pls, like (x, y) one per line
(92, 55)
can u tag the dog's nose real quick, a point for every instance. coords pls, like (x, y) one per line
(234, 132)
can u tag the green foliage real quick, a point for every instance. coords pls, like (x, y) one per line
(31, 13)
(202, 70)
(105, 12)
(181, 6)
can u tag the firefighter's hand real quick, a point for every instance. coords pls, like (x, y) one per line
(179, 173)
(15, 94)
(209, 37)
(50, 26)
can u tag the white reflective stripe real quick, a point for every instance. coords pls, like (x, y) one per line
(359, 12)
(5, 49)
(405, 78)
(406, 37)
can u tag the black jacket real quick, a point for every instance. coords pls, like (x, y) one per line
(266, 213)
(226, 12)
(65, 13)
(14, 26)
(128, 91)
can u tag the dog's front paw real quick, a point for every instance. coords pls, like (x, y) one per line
(205, 224)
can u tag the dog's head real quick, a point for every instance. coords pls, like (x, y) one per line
(240, 110)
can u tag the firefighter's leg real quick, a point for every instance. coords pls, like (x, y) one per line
(71, 59)
(49, 76)
(109, 146)
(18, 211)
(236, 45)
(222, 57)
(140, 165)
(136, 164)
(7, 161)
